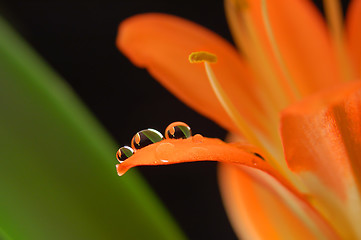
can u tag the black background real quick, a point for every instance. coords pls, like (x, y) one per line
(77, 38)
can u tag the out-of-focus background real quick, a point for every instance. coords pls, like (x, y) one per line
(77, 38)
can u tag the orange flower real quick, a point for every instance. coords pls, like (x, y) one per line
(289, 99)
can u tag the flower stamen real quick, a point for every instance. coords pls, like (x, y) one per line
(251, 134)
(290, 84)
(249, 42)
(202, 56)
(198, 57)
(206, 57)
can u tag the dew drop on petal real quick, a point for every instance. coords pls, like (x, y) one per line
(123, 153)
(197, 138)
(178, 130)
(145, 137)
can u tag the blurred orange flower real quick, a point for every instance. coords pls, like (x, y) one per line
(290, 100)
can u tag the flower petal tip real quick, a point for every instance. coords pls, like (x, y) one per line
(119, 171)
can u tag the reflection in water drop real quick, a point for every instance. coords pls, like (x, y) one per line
(124, 153)
(145, 137)
(178, 130)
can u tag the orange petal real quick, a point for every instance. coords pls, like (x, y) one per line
(303, 40)
(199, 148)
(245, 158)
(162, 43)
(196, 148)
(322, 142)
(258, 207)
(353, 33)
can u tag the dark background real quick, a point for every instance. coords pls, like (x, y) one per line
(77, 38)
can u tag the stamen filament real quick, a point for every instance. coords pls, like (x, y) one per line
(271, 98)
(276, 51)
(273, 155)
(234, 114)
(202, 56)
(248, 40)
(333, 12)
(243, 126)
(271, 95)
(228, 106)
(269, 78)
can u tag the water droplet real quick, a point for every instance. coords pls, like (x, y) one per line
(197, 138)
(123, 153)
(146, 137)
(178, 130)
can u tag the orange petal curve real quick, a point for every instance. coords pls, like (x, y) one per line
(199, 148)
(196, 148)
(322, 138)
(262, 211)
(161, 43)
(242, 156)
(303, 40)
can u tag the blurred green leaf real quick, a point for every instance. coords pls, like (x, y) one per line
(57, 168)
(3, 235)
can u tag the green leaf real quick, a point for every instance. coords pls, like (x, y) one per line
(3, 235)
(57, 164)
